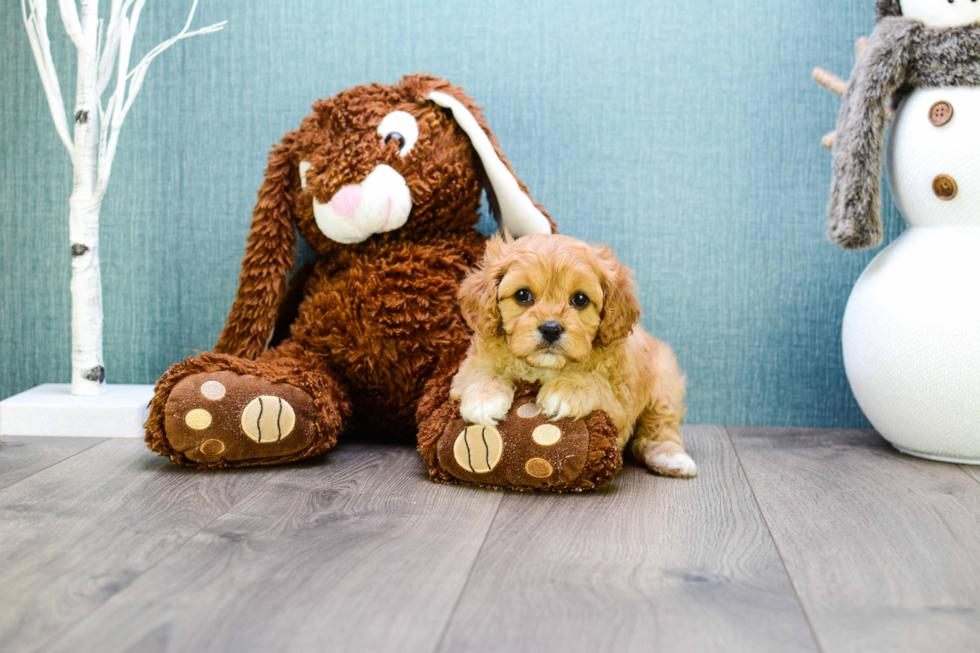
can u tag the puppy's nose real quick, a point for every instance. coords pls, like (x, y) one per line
(551, 331)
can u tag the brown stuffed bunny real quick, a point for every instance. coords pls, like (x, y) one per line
(384, 184)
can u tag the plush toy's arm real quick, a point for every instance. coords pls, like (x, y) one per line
(269, 256)
(855, 197)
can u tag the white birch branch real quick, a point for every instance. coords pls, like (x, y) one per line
(69, 16)
(123, 98)
(109, 47)
(37, 33)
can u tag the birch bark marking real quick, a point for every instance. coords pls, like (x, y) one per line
(96, 134)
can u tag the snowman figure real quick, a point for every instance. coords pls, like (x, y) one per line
(911, 333)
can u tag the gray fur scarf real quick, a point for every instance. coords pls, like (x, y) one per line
(901, 55)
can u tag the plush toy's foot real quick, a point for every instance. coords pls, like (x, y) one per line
(525, 451)
(221, 416)
(227, 418)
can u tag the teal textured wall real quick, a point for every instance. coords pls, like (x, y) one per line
(684, 134)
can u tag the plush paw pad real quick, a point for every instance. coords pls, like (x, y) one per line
(269, 417)
(478, 449)
(219, 416)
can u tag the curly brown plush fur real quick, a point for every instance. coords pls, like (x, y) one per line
(901, 54)
(373, 318)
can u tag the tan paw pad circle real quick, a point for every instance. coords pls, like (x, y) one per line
(213, 390)
(268, 419)
(528, 410)
(198, 419)
(478, 448)
(538, 468)
(212, 447)
(546, 434)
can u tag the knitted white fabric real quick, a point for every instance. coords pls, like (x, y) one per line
(918, 151)
(911, 335)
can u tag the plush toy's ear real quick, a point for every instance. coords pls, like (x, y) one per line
(620, 307)
(478, 293)
(509, 197)
(269, 256)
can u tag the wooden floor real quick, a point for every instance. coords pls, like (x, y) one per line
(788, 540)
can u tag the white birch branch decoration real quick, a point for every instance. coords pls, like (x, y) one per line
(92, 145)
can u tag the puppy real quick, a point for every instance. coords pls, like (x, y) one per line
(554, 310)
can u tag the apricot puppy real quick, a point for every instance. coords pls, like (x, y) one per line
(554, 310)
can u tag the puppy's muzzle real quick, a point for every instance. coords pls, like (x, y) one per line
(551, 331)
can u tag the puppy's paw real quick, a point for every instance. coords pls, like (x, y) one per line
(669, 459)
(560, 402)
(485, 408)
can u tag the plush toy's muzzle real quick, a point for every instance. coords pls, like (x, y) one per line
(380, 203)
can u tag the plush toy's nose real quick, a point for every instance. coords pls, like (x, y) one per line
(551, 331)
(346, 201)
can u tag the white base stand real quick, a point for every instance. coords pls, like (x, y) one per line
(50, 409)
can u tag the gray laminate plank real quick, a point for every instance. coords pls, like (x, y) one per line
(21, 457)
(75, 534)
(647, 564)
(883, 548)
(361, 554)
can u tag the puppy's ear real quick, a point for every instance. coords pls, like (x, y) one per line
(509, 198)
(620, 307)
(268, 259)
(478, 293)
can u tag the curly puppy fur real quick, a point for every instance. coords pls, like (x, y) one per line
(553, 310)
(901, 55)
(372, 319)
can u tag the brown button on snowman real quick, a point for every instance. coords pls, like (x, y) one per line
(911, 331)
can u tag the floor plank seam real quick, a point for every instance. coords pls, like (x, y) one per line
(95, 443)
(965, 471)
(81, 620)
(469, 575)
(775, 544)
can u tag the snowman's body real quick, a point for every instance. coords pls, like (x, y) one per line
(911, 335)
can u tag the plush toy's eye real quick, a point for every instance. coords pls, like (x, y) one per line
(523, 296)
(398, 138)
(401, 127)
(579, 299)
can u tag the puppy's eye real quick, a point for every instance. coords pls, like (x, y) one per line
(523, 296)
(580, 300)
(400, 127)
